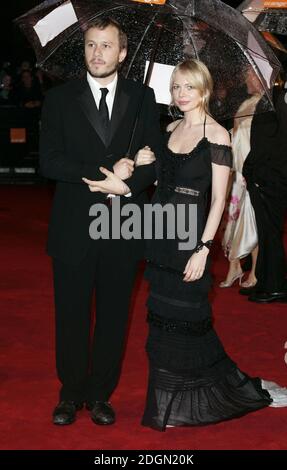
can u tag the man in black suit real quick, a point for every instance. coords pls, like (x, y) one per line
(87, 124)
(265, 171)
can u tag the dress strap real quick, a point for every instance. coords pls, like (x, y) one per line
(176, 126)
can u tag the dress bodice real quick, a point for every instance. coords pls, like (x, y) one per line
(184, 180)
(192, 171)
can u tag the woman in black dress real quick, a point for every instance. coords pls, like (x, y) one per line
(192, 381)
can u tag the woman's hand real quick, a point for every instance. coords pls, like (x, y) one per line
(195, 266)
(124, 168)
(144, 156)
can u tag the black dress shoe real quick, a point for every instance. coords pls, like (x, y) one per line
(101, 412)
(267, 297)
(65, 412)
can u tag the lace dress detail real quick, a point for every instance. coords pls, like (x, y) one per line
(192, 381)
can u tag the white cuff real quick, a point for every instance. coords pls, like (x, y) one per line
(115, 195)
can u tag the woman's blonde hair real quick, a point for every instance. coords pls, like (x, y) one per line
(199, 77)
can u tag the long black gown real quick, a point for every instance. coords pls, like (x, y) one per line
(192, 381)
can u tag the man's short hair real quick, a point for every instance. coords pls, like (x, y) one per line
(103, 22)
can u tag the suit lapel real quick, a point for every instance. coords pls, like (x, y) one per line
(120, 105)
(88, 105)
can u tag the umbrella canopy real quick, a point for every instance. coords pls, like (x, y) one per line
(209, 30)
(266, 15)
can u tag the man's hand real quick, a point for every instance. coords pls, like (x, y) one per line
(144, 156)
(124, 168)
(111, 185)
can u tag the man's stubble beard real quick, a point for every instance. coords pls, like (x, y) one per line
(106, 74)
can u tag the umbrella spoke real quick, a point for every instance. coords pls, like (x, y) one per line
(140, 45)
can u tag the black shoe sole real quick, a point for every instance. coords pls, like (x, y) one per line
(64, 423)
(101, 423)
(270, 301)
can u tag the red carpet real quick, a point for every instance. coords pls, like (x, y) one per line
(253, 335)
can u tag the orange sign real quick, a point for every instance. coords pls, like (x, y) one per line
(151, 2)
(17, 136)
(275, 4)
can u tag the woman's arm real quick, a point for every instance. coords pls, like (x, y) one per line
(196, 264)
(220, 175)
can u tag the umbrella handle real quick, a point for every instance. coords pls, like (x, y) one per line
(153, 55)
(146, 82)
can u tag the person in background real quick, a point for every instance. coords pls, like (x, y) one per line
(6, 91)
(28, 92)
(265, 172)
(240, 236)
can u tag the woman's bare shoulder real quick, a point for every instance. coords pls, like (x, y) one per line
(217, 134)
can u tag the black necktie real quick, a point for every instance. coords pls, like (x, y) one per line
(104, 113)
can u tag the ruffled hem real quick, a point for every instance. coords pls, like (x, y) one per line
(177, 400)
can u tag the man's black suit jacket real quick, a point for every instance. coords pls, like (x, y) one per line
(72, 147)
(266, 163)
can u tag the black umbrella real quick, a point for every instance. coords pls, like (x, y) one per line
(163, 33)
(266, 15)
